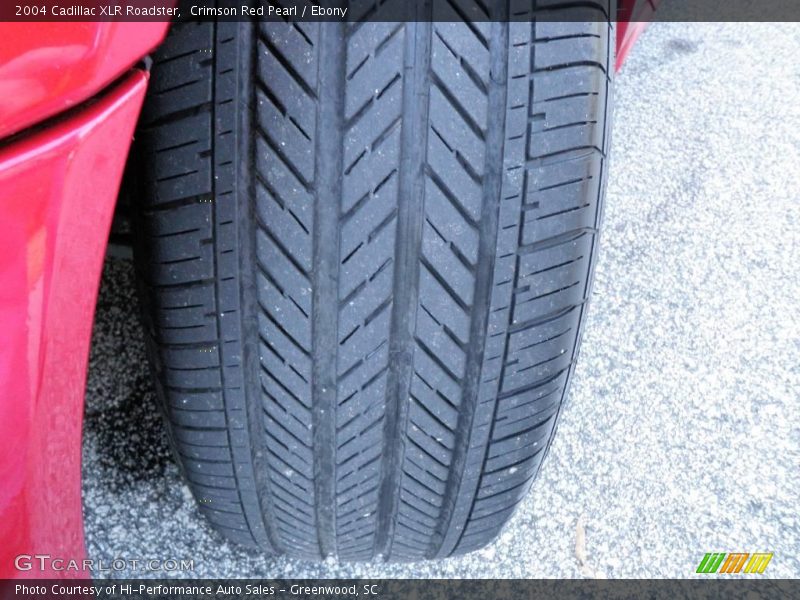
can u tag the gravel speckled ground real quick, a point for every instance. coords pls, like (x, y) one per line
(682, 434)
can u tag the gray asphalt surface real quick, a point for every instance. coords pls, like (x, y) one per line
(682, 433)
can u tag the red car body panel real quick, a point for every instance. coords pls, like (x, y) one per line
(634, 17)
(46, 68)
(58, 189)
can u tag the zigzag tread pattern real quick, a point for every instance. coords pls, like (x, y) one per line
(418, 218)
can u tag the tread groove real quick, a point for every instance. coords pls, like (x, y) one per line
(406, 274)
(328, 181)
(445, 539)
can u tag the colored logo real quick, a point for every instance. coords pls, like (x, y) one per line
(720, 562)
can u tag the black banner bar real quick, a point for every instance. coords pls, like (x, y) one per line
(356, 11)
(395, 589)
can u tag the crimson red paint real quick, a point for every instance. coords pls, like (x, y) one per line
(635, 16)
(46, 68)
(58, 188)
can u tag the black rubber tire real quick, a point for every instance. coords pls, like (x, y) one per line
(365, 254)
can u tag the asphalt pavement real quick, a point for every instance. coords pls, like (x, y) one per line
(682, 432)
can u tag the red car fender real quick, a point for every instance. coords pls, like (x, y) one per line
(48, 67)
(58, 188)
(633, 18)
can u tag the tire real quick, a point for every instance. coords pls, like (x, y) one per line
(365, 256)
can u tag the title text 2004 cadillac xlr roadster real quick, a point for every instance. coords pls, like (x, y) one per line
(364, 252)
